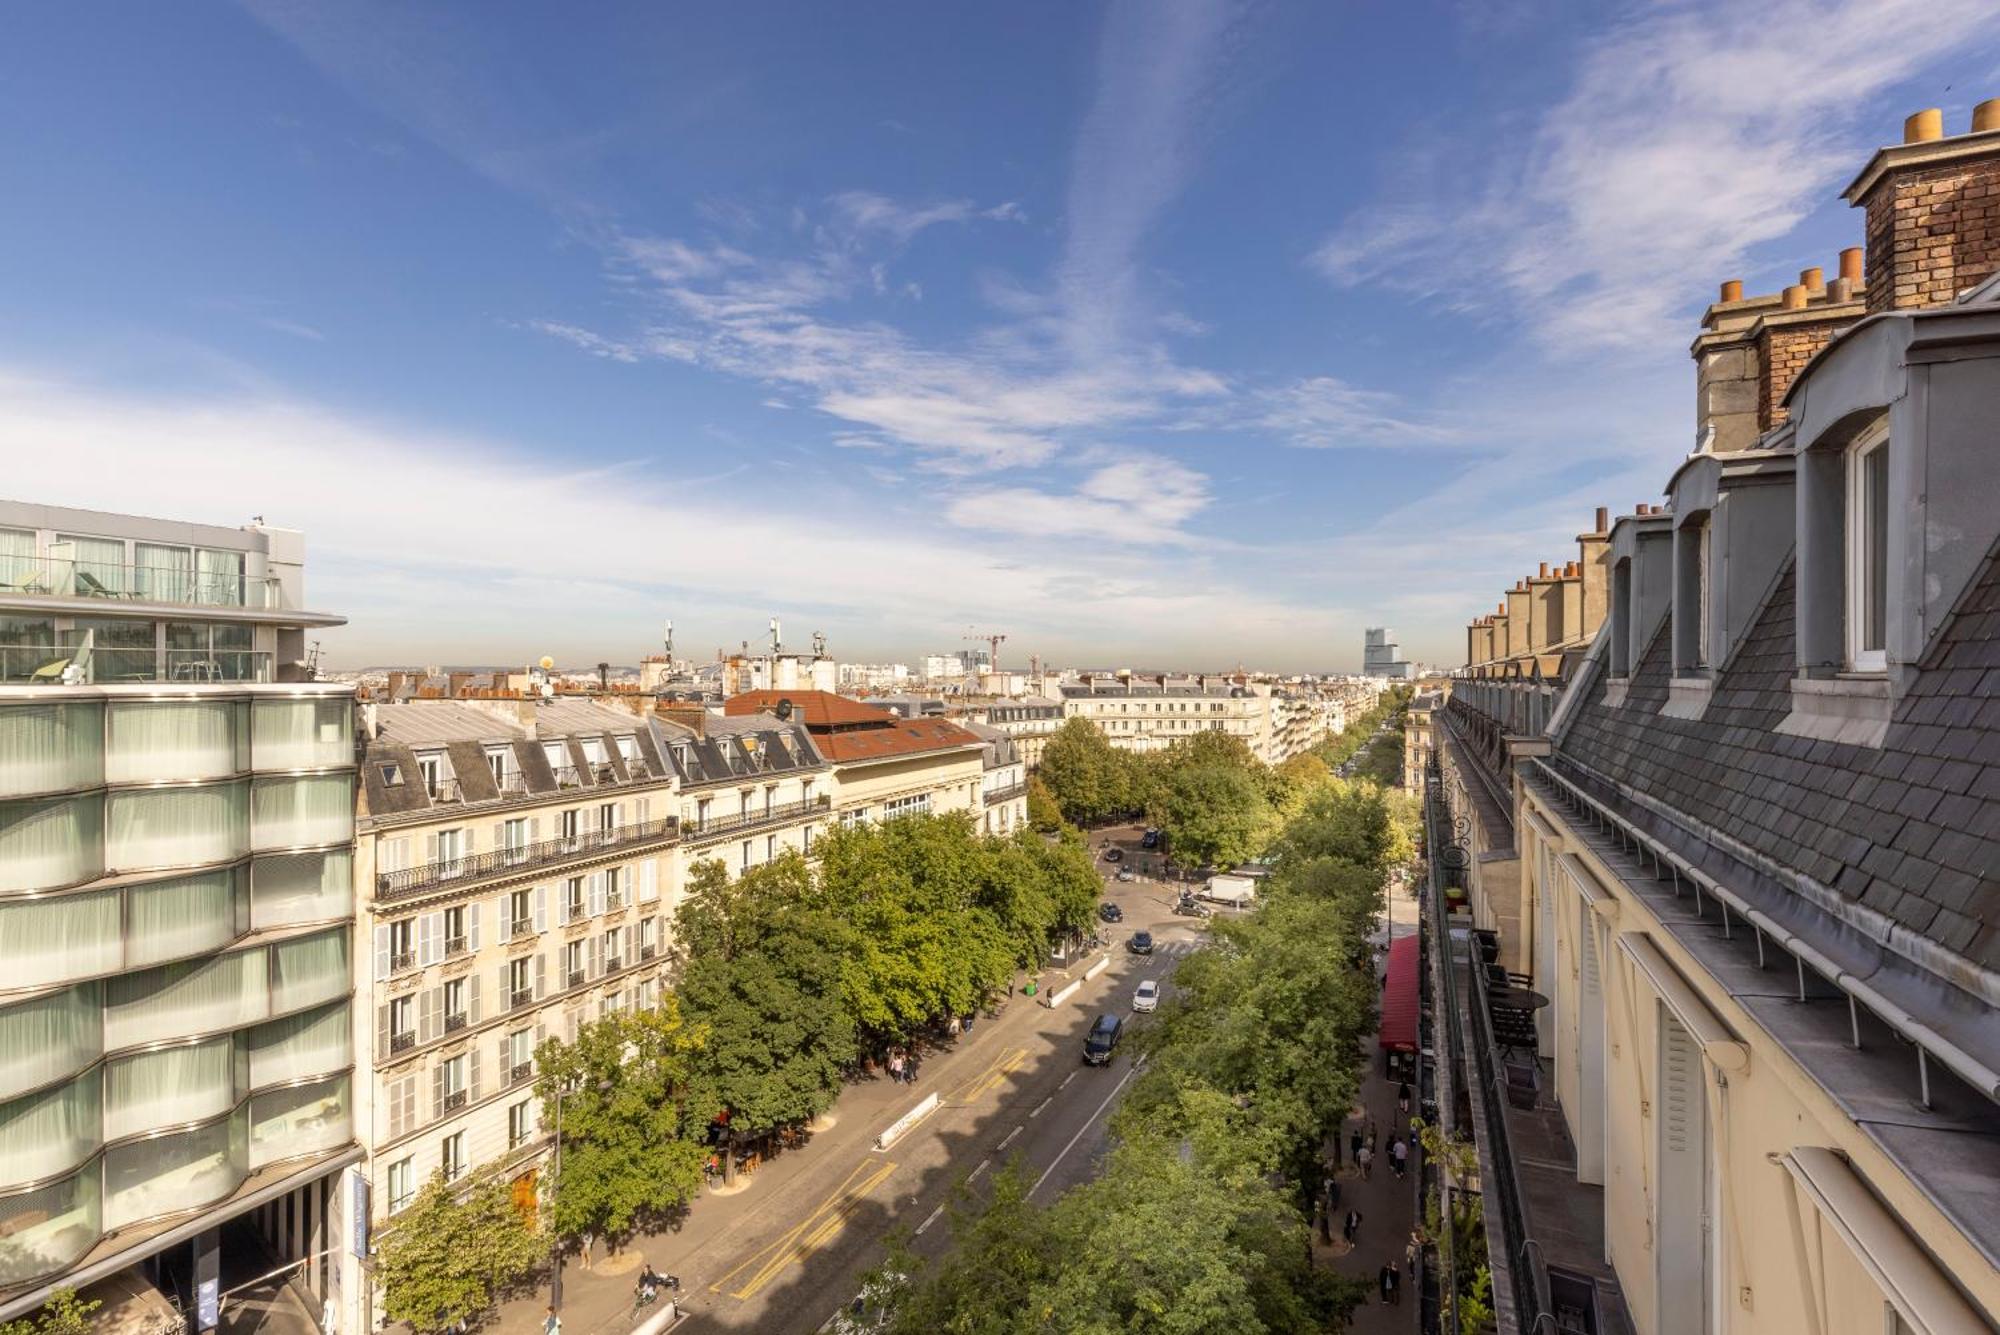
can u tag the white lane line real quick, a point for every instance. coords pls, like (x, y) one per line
(1010, 1137)
(1043, 1104)
(984, 1164)
(929, 1219)
(1122, 1082)
(1066, 1079)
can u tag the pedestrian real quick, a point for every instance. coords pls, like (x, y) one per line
(1354, 1145)
(552, 1324)
(1410, 1252)
(1351, 1226)
(1371, 1133)
(896, 1067)
(1399, 1154)
(1403, 1098)
(968, 1022)
(1395, 1285)
(1367, 1160)
(1387, 1279)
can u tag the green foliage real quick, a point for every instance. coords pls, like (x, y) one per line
(1044, 814)
(452, 1253)
(1212, 816)
(1088, 778)
(763, 981)
(630, 1141)
(63, 1314)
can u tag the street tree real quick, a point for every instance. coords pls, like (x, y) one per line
(453, 1252)
(1044, 814)
(631, 1146)
(63, 1314)
(1212, 814)
(1083, 772)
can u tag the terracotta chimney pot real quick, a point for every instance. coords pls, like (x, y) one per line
(1732, 290)
(1840, 290)
(1813, 279)
(1603, 518)
(1795, 297)
(1986, 116)
(1545, 570)
(1923, 127)
(1850, 264)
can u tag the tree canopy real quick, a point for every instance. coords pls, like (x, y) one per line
(453, 1251)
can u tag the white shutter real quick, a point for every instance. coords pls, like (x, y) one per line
(472, 1074)
(430, 849)
(595, 969)
(382, 961)
(541, 976)
(437, 1091)
(541, 908)
(472, 915)
(597, 893)
(430, 1006)
(503, 998)
(427, 942)
(472, 998)
(534, 830)
(649, 881)
(381, 1033)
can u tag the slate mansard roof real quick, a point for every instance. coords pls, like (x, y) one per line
(1911, 831)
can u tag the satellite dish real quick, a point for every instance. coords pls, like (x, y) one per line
(785, 709)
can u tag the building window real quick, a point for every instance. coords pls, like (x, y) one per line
(573, 964)
(573, 899)
(454, 930)
(402, 1184)
(451, 1156)
(1868, 550)
(402, 944)
(392, 776)
(520, 983)
(520, 913)
(906, 806)
(520, 1124)
(402, 1023)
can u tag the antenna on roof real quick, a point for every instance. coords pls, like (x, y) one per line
(776, 645)
(819, 644)
(670, 643)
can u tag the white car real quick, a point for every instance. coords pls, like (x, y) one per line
(1147, 997)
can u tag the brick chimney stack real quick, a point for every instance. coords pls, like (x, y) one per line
(1932, 206)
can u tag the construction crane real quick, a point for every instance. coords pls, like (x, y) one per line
(992, 643)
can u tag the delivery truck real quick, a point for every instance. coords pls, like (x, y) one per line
(1230, 888)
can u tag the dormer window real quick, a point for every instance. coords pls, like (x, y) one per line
(1867, 534)
(1621, 618)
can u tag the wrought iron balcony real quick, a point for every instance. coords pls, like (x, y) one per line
(1007, 794)
(404, 1041)
(501, 862)
(524, 997)
(454, 1100)
(401, 960)
(521, 1071)
(784, 813)
(519, 928)
(454, 1022)
(454, 945)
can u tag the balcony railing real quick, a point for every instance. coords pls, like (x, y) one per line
(567, 776)
(715, 827)
(521, 997)
(453, 1023)
(575, 978)
(401, 960)
(59, 577)
(454, 945)
(613, 963)
(454, 1100)
(647, 952)
(47, 664)
(521, 1072)
(444, 790)
(519, 928)
(404, 1041)
(1007, 794)
(500, 862)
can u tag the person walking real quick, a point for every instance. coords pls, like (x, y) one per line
(1395, 1285)
(1386, 1278)
(1399, 1155)
(1371, 1133)
(1352, 1226)
(896, 1067)
(1403, 1098)
(1354, 1145)
(1367, 1161)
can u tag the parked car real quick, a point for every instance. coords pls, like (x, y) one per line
(1110, 912)
(1102, 1040)
(1147, 997)
(1141, 943)
(1151, 839)
(1124, 874)
(1114, 855)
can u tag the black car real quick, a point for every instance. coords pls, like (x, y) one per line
(1150, 840)
(1102, 1039)
(1141, 943)
(1110, 912)
(1114, 855)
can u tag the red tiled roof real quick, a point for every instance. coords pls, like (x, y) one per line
(845, 731)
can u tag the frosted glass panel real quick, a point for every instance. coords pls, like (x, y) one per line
(166, 1088)
(49, 1133)
(301, 734)
(49, 1038)
(166, 1175)
(182, 1000)
(308, 971)
(175, 827)
(286, 1123)
(48, 844)
(50, 940)
(49, 748)
(181, 918)
(291, 888)
(316, 1043)
(296, 812)
(172, 739)
(45, 1230)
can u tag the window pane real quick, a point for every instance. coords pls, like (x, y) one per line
(50, 1133)
(309, 970)
(181, 1000)
(184, 917)
(1875, 546)
(163, 574)
(169, 1088)
(48, 844)
(286, 1123)
(49, 1038)
(176, 739)
(291, 888)
(315, 1043)
(42, 1231)
(49, 748)
(302, 734)
(173, 1173)
(219, 578)
(50, 940)
(298, 812)
(176, 827)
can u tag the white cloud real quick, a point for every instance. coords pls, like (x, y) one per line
(1692, 135)
(865, 211)
(1138, 499)
(1324, 412)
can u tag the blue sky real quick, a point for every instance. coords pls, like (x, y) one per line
(1173, 334)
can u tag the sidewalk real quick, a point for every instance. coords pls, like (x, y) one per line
(1389, 1207)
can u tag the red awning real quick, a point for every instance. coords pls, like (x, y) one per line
(1399, 997)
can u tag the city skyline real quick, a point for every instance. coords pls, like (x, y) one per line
(690, 315)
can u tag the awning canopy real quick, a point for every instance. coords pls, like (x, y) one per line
(1399, 997)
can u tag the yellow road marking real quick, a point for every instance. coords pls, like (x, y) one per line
(989, 1078)
(809, 1234)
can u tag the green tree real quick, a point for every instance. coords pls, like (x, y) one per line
(63, 1314)
(1044, 814)
(763, 980)
(1212, 815)
(631, 1146)
(453, 1252)
(1083, 772)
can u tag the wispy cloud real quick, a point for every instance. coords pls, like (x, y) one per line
(1139, 499)
(1692, 134)
(865, 211)
(1324, 412)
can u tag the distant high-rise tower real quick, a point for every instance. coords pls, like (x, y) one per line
(1379, 656)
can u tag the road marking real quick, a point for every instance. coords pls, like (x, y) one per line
(984, 1164)
(809, 1234)
(1066, 1079)
(1122, 1082)
(1043, 1104)
(929, 1219)
(1010, 1137)
(988, 1079)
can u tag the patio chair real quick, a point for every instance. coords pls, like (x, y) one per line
(50, 671)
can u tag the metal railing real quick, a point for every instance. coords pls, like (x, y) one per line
(115, 582)
(404, 1041)
(455, 1022)
(47, 664)
(1006, 794)
(500, 862)
(567, 776)
(524, 997)
(454, 1100)
(519, 928)
(781, 813)
(401, 960)
(521, 1071)
(444, 790)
